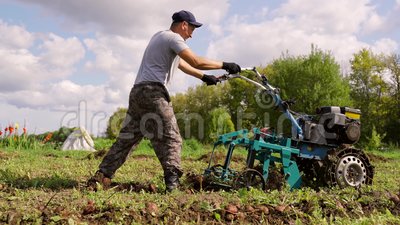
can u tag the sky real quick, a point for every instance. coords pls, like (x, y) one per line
(73, 63)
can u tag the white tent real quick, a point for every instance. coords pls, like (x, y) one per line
(79, 139)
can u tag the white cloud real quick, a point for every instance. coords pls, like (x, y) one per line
(27, 69)
(61, 53)
(332, 26)
(339, 16)
(139, 18)
(59, 96)
(385, 45)
(14, 37)
(118, 57)
(120, 37)
(115, 54)
(118, 88)
(16, 62)
(18, 70)
(374, 23)
(21, 69)
(61, 104)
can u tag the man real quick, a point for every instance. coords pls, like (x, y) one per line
(150, 112)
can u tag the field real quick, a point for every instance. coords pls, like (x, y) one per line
(47, 186)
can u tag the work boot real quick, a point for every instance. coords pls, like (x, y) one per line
(99, 179)
(171, 178)
(171, 183)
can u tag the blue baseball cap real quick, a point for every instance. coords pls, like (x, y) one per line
(187, 16)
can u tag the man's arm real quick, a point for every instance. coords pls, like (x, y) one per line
(199, 62)
(192, 64)
(188, 69)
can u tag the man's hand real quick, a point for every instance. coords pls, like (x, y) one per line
(231, 68)
(209, 79)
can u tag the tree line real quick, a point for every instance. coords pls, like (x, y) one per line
(310, 81)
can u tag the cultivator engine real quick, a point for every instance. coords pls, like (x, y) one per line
(318, 153)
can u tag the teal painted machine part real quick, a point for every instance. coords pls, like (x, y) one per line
(259, 149)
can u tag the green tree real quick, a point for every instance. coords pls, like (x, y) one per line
(115, 123)
(312, 81)
(392, 127)
(239, 98)
(193, 107)
(369, 90)
(219, 122)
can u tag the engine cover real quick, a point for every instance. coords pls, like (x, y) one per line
(352, 133)
(333, 125)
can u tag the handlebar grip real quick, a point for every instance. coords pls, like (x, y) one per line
(248, 68)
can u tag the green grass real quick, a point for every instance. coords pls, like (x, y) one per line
(46, 186)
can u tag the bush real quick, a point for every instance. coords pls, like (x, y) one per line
(191, 145)
(55, 138)
(220, 122)
(115, 123)
(375, 141)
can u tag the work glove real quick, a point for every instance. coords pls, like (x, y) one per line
(209, 79)
(231, 68)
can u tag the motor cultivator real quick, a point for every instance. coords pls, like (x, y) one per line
(318, 153)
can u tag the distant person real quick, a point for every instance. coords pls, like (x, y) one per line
(150, 112)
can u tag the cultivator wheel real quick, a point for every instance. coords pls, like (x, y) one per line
(349, 167)
(313, 172)
(216, 170)
(217, 178)
(249, 178)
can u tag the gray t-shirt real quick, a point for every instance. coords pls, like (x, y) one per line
(161, 58)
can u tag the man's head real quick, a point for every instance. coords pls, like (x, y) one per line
(184, 23)
(186, 16)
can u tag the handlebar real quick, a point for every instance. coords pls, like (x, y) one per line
(297, 131)
(264, 85)
(249, 68)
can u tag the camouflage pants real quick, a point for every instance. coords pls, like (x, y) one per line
(149, 115)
